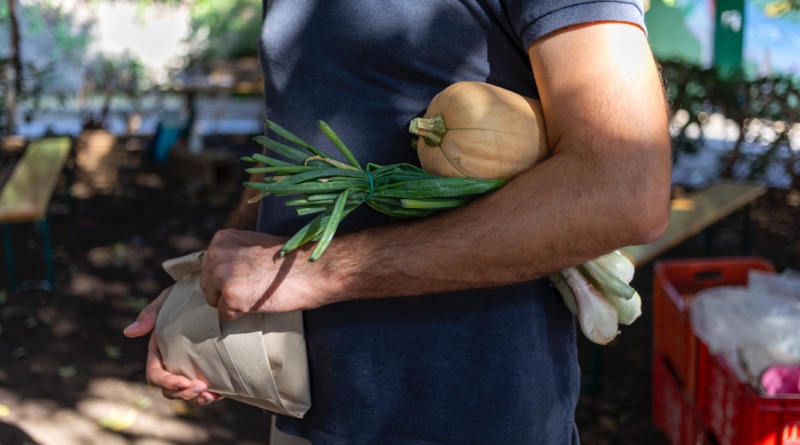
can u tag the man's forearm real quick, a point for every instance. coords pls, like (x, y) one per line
(560, 213)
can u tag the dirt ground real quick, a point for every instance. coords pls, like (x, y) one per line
(68, 376)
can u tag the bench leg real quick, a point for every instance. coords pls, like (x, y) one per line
(48, 253)
(69, 176)
(9, 257)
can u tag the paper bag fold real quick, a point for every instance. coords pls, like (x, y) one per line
(259, 359)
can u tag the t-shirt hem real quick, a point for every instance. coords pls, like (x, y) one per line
(604, 11)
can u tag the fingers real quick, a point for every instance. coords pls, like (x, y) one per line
(175, 386)
(201, 399)
(146, 320)
(157, 375)
(213, 296)
(226, 312)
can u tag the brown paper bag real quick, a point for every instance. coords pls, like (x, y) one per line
(259, 359)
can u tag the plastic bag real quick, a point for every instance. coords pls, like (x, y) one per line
(781, 379)
(753, 327)
(784, 285)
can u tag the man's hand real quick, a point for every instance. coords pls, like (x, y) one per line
(172, 386)
(243, 273)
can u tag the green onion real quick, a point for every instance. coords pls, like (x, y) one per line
(283, 170)
(257, 157)
(606, 281)
(330, 228)
(338, 144)
(433, 203)
(334, 189)
(283, 150)
(280, 131)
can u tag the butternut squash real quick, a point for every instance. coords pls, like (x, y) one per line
(478, 130)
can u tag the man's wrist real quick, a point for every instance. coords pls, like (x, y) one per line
(325, 280)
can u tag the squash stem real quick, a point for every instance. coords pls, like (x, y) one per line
(431, 130)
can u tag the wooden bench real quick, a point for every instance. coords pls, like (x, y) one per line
(27, 193)
(695, 212)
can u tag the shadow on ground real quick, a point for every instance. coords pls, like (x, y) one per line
(68, 376)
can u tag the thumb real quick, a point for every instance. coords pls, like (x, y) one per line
(146, 320)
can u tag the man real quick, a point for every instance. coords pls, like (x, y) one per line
(442, 330)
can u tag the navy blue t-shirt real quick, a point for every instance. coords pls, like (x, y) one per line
(487, 366)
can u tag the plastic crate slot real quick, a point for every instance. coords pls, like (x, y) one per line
(709, 275)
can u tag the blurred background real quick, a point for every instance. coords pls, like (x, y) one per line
(159, 100)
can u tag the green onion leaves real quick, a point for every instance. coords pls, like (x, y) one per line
(332, 189)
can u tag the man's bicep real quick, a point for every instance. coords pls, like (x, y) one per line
(597, 82)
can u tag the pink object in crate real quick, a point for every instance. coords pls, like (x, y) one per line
(781, 379)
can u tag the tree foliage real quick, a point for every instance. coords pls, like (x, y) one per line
(753, 104)
(50, 41)
(225, 29)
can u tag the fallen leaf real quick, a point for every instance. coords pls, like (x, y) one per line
(113, 352)
(117, 421)
(184, 409)
(67, 371)
(142, 402)
(19, 353)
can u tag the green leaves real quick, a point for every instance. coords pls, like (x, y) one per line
(333, 189)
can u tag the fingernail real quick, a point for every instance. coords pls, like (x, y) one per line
(133, 325)
(181, 386)
(198, 389)
(208, 399)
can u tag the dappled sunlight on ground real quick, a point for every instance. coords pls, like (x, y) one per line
(112, 411)
(67, 374)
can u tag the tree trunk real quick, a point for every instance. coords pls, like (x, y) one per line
(736, 153)
(108, 91)
(14, 70)
(16, 56)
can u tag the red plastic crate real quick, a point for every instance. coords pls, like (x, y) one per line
(674, 286)
(673, 412)
(737, 415)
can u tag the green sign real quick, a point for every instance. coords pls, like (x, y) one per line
(728, 34)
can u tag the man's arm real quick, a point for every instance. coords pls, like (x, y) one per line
(606, 186)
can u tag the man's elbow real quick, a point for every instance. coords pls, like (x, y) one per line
(649, 228)
(648, 212)
(644, 189)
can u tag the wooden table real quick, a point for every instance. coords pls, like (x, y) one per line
(27, 193)
(695, 212)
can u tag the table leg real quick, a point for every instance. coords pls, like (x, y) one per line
(746, 230)
(705, 241)
(9, 257)
(597, 358)
(48, 253)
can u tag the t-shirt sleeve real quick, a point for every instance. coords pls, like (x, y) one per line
(533, 19)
